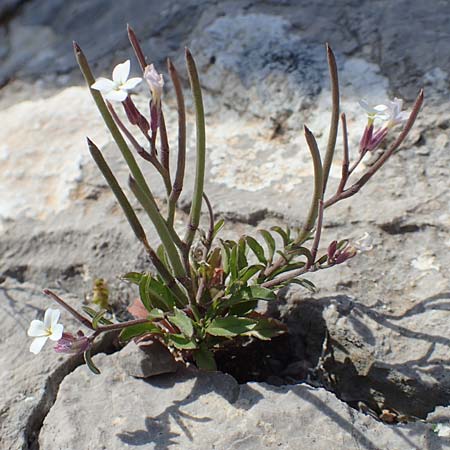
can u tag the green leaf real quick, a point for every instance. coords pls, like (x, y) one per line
(303, 282)
(266, 329)
(183, 322)
(242, 254)
(92, 313)
(162, 255)
(287, 268)
(234, 263)
(284, 235)
(217, 227)
(258, 292)
(88, 359)
(256, 248)
(181, 342)
(322, 260)
(204, 358)
(243, 307)
(97, 318)
(132, 277)
(138, 330)
(230, 326)
(270, 242)
(301, 251)
(156, 313)
(155, 294)
(247, 272)
(225, 257)
(246, 299)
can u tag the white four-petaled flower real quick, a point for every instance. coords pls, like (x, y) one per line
(374, 112)
(117, 89)
(48, 329)
(396, 115)
(391, 113)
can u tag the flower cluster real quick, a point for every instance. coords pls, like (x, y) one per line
(51, 329)
(390, 114)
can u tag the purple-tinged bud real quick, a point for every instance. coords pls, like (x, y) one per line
(366, 137)
(154, 117)
(134, 116)
(332, 250)
(345, 254)
(72, 344)
(338, 254)
(371, 141)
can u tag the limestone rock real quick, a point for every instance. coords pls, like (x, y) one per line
(205, 411)
(146, 359)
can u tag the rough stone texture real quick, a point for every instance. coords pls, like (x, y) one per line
(263, 67)
(146, 360)
(28, 383)
(211, 411)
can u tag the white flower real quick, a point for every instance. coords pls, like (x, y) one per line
(391, 112)
(380, 111)
(364, 243)
(41, 331)
(395, 114)
(117, 89)
(155, 81)
(442, 430)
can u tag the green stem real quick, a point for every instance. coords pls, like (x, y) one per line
(181, 157)
(196, 206)
(109, 121)
(318, 187)
(121, 325)
(161, 228)
(334, 116)
(134, 221)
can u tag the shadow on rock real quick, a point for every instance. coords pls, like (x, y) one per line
(159, 430)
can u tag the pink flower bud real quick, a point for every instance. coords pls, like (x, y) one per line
(72, 344)
(134, 116)
(338, 255)
(155, 81)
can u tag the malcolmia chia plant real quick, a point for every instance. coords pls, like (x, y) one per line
(203, 291)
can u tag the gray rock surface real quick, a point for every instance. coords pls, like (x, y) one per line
(146, 360)
(263, 67)
(211, 411)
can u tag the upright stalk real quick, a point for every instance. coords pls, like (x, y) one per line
(181, 157)
(334, 116)
(318, 187)
(196, 206)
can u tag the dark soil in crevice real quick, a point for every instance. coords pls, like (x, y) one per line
(307, 354)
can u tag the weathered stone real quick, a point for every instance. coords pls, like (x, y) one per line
(385, 310)
(146, 359)
(28, 383)
(198, 410)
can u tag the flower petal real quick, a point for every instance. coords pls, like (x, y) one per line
(380, 108)
(103, 85)
(131, 83)
(118, 95)
(37, 344)
(51, 318)
(121, 72)
(37, 329)
(57, 332)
